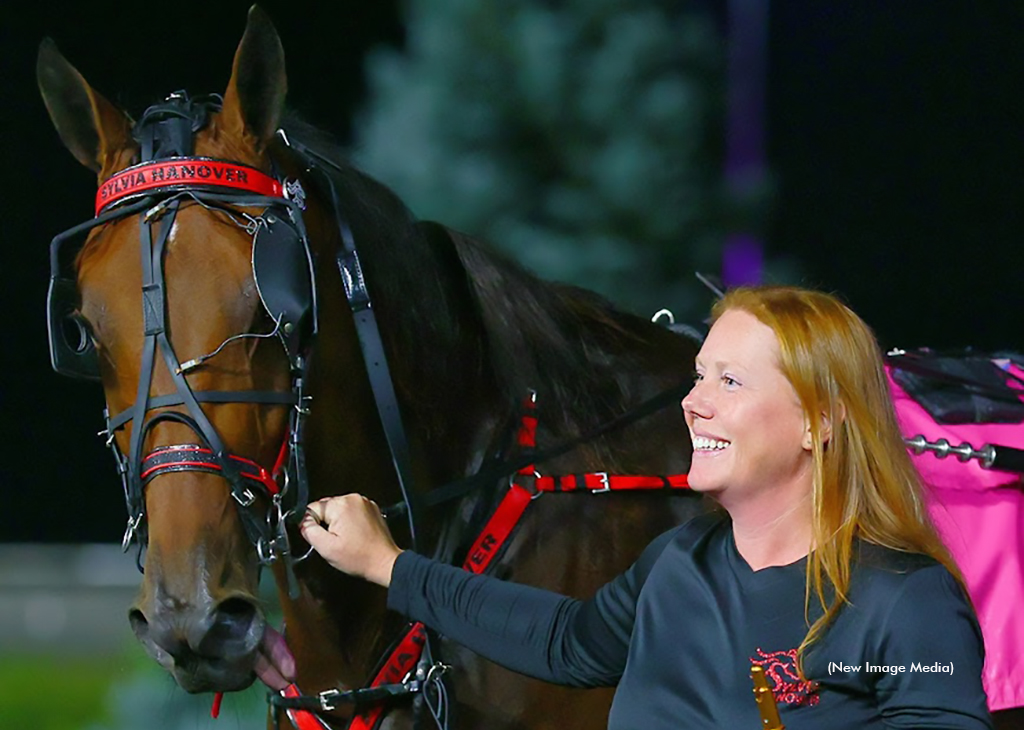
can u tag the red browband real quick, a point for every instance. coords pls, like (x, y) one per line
(184, 172)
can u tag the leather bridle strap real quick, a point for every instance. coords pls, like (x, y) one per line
(407, 654)
(153, 322)
(264, 397)
(602, 481)
(154, 304)
(371, 344)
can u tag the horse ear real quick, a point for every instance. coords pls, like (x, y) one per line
(91, 127)
(254, 99)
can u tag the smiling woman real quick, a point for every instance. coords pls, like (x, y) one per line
(752, 443)
(861, 484)
(818, 571)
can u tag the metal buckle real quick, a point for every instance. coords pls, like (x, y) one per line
(605, 486)
(325, 699)
(436, 672)
(244, 498)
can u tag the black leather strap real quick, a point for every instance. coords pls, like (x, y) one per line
(265, 397)
(372, 346)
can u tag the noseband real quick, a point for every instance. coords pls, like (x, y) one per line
(155, 189)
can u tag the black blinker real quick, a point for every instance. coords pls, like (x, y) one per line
(281, 268)
(72, 351)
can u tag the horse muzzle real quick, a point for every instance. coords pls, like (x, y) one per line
(206, 647)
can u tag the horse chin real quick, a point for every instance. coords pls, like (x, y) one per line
(213, 676)
(196, 674)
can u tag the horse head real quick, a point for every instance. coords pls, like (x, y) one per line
(176, 318)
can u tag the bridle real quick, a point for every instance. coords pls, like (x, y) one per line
(167, 177)
(282, 261)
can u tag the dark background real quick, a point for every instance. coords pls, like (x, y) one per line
(894, 142)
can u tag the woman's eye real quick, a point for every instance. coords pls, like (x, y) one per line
(729, 381)
(697, 377)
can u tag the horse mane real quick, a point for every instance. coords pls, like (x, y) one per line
(441, 291)
(570, 344)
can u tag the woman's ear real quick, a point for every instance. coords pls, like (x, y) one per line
(808, 439)
(825, 425)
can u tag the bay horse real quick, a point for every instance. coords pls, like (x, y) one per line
(230, 355)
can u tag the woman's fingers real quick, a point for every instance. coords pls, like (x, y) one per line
(312, 531)
(316, 511)
(350, 533)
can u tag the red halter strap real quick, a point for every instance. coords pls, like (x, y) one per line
(179, 173)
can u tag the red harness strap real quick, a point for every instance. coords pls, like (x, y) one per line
(602, 481)
(499, 527)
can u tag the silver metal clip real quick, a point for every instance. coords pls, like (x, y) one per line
(129, 532)
(436, 672)
(294, 191)
(266, 551)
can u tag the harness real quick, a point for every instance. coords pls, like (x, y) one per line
(408, 667)
(169, 176)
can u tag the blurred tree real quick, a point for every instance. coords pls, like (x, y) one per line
(583, 136)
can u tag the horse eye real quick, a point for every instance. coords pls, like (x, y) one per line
(77, 332)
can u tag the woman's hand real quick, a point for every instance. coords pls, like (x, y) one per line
(350, 533)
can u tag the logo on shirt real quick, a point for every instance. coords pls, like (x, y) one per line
(787, 687)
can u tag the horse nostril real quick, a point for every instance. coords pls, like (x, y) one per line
(231, 628)
(158, 641)
(139, 624)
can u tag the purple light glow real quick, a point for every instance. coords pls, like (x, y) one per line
(742, 255)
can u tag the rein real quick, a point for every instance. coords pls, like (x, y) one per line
(371, 344)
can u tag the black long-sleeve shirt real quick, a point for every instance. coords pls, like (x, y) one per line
(679, 630)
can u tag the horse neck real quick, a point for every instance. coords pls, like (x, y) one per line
(432, 333)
